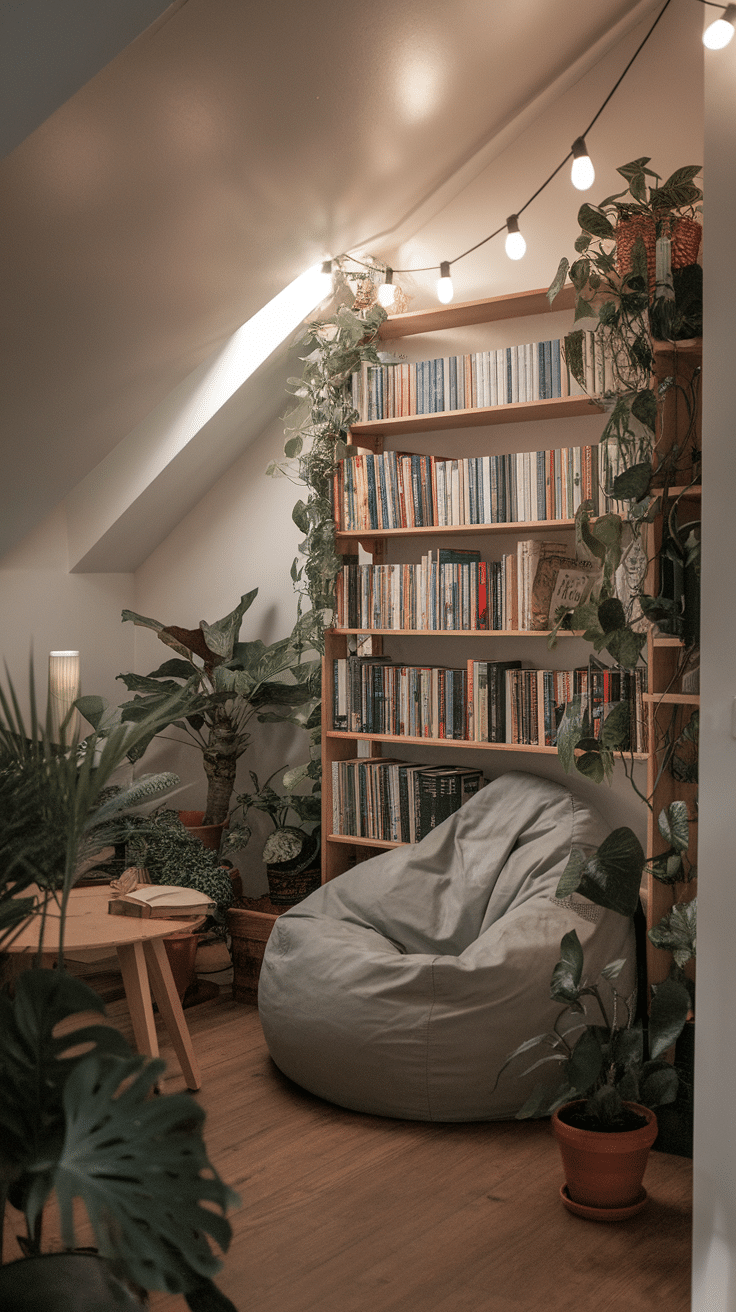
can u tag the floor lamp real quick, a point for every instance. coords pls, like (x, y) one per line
(64, 688)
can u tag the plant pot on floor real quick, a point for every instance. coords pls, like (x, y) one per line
(63, 1282)
(604, 1169)
(209, 835)
(287, 886)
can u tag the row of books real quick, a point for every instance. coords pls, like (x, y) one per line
(533, 372)
(483, 701)
(394, 490)
(453, 589)
(397, 801)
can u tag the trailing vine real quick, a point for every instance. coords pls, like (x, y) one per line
(316, 439)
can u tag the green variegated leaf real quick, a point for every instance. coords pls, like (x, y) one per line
(567, 974)
(594, 221)
(616, 728)
(558, 282)
(590, 765)
(674, 825)
(677, 932)
(632, 484)
(625, 647)
(613, 969)
(667, 867)
(568, 734)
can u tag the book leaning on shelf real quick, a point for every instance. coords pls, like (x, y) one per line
(397, 801)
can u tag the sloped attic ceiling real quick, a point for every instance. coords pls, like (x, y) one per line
(222, 153)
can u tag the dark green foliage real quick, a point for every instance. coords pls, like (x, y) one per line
(602, 1055)
(171, 855)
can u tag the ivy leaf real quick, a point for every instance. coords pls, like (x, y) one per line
(644, 408)
(574, 355)
(568, 734)
(594, 221)
(669, 1009)
(293, 447)
(567, 974)
(632, 484)
(558, 282)
(616, 728)
(590, 764)
(570, 877)
(613, 969)
(611, 615)
(667, 867)
(676, 932)
(612, 875)
(674, 825)
(586, 1062)
(625, 647)
(300, 516)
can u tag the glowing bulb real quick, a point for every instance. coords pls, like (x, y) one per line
(387, 291)
(719, 33)
(515, 244)
(445, 291)
(583, 173)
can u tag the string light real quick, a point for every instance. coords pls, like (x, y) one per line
(515, 244)
(583, 173)
(445, 290)
(326, 278)
(719, 33)
(387, 291)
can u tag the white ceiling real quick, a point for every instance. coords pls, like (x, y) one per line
(218, 156)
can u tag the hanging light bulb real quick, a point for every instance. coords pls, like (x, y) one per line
(387, 291)
(719, 33)
(445, 290)
(515, 244)
(583, 173)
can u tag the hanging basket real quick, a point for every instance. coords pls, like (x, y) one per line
(685, 236)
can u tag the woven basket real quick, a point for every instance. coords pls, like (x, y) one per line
(685, 235)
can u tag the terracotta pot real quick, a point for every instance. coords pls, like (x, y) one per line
(605, 1169)
(181, 949)
(58, 1282)
(209, 835)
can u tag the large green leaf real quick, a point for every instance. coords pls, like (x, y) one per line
(221, 637)
(632, 484)
(611, 877)
(586, 1062)
(674, 825)
(569, 733)
(644, 408)
(676, 932)
(570, 877)
(558, 282)
(668, 1012)
(624, 645)
(140, 1166)
(616, 728)
(566, 976)
(594, 221)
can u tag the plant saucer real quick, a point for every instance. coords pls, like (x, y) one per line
(603, 1213)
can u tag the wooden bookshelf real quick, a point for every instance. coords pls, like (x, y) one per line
(341, 851)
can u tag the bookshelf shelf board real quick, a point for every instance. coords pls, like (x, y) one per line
(667, 642)
(688, 493)
(672, 698)
(557, 407)
(461, 633)
(455, 742)
(494, 308)
(439, 530)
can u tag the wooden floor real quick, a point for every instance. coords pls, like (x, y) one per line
(348, 1213)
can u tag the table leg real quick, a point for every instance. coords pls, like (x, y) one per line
(169, 1005)
(138, 994)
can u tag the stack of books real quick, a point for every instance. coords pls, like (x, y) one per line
(483, 701)
(395, 490)
(453, 589)
(397, 801)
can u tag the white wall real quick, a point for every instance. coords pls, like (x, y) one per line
(714, 1233)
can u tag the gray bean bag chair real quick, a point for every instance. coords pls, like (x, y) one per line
(401, 987)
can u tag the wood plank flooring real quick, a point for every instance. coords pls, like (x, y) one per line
(342, 1212)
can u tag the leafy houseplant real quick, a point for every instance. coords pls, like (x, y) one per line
(76, 1116)
(222, 685)
(291, 850)
(161, 843)
(609, 1083)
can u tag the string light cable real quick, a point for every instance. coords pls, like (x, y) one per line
(578, 153)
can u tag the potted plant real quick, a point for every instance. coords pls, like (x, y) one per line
(222, 685)
(291, 850)
(76, 1115)
(612, 1074)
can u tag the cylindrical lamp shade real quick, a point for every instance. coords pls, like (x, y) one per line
(64, 688)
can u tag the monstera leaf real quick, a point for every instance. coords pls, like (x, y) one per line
(140, 1166)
